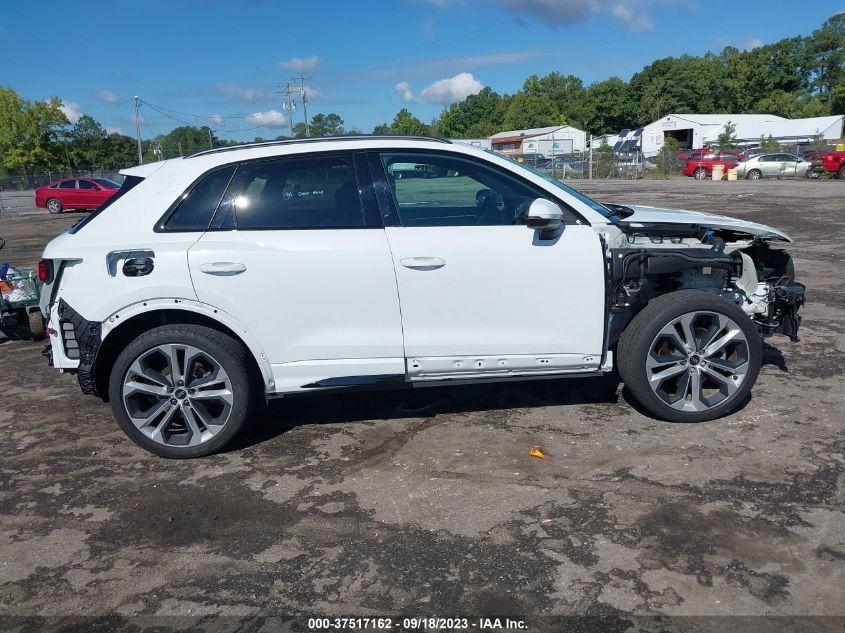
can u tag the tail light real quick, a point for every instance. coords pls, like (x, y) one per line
(45, 271)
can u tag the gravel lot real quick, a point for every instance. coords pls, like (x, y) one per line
(428, 503)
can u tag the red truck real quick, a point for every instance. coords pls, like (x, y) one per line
(834, 163)
(700, 162)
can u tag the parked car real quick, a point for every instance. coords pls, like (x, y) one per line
(834, 163)
(773, 166)
(700, 163)
(212, 282)
(816, 159)
(75, 193)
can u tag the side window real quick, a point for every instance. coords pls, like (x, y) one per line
(68, 184)
(767, 158)
(298, 193)
(711, 156)
(86, 184)
(447, 190)
(196, 209)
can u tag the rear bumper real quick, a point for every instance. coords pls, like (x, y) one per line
(74, 343)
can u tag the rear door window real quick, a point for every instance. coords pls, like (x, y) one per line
(68, 184)
(86, 184)
(317, 192)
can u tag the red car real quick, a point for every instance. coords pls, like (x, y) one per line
(75, 193)
(834, 162)
(700, 163)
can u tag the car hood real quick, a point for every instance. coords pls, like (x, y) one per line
(654, 215)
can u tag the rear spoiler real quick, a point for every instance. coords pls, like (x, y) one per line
(143, 171)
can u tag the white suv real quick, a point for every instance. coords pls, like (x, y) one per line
(214, 281)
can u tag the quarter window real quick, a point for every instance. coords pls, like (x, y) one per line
(298, 193)
(446, 190)
(195, 211)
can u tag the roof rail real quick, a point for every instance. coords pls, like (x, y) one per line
(294, 141)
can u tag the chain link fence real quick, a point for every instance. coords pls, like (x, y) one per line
(605, 164)
(23, 182)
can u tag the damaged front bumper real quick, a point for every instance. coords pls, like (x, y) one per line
(783, 316)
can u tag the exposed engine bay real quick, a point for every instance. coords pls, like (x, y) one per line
(646, 260)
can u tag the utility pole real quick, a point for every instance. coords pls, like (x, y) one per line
(590, 173)
(138, 129)
(303, 94)
(288, 104)
(210, 139)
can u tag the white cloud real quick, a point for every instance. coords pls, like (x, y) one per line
(115, 130)
(270, 118)
(249, 95)
(754, 42)
(452, 89)
(403, 89)
(108, 96)
(633, 21)
(300, 64)
(217, 120)
(71, 110)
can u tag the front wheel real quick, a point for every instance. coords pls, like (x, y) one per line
(690, 356)
(181, 391)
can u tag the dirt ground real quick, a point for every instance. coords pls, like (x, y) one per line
(428, 504)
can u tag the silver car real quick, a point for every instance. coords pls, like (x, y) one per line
(773, 165)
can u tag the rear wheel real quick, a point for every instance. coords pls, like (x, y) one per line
(754, 174)
(181, 391)
(690, 356)
(700, 173)
(54, 205)
(36, 325)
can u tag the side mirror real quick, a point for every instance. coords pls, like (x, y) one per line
(544, 215)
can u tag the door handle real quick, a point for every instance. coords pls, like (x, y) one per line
(223, 269)
(423, 263)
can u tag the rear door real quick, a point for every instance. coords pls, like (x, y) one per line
(68, 193)
(89, 195)
(481, 293)
(298, 254)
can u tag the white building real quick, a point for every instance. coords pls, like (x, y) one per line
(546, 141)
(696, 130)
(483, 143)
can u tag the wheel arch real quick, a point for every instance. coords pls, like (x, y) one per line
(126, 324)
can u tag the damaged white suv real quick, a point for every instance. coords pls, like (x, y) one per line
(211, 282)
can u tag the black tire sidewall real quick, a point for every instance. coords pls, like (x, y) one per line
(224, 350)
(636, 344)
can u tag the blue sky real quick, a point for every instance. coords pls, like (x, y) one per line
(366, 58)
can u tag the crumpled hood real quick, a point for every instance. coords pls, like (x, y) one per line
(655, 215)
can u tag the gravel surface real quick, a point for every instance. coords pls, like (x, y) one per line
(429, 504)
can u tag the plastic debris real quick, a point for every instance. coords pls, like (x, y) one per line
(536, 452)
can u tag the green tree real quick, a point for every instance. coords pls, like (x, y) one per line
(827, 48)
(530, 111)
(403, 123)
(479, 115)
(667, 157)
(566, 92)
(769, 144)
(727, 137)
(30, 133)
(609, 106)
(87, 144)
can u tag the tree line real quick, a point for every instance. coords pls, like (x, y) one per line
(795, 77)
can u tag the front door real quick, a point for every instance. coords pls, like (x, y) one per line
(480, 292)
(305, 266)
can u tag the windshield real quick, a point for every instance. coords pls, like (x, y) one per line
(595, 206)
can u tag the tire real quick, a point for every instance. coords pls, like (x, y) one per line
(754, 174)
(54, 205)
(841, 173)
(675, 398)
(203, 349)
(813, 174)
(35, 323)
(700, 173)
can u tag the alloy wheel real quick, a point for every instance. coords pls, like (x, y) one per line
(54, 206)
(177, 395)
(697, 361)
